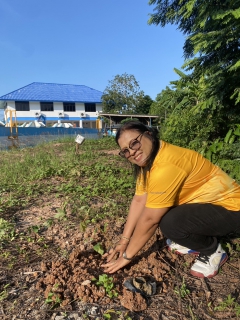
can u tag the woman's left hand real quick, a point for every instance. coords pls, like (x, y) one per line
(115, 265)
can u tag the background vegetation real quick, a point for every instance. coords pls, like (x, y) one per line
(204, 102)
(201, 110)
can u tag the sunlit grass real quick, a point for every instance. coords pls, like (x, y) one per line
(84, 173)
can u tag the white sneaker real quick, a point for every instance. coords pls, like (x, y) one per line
(177, 248)
(208, 266)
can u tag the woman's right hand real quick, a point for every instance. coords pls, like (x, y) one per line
(119, 249)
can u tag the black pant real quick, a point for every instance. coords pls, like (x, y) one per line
(199, 226)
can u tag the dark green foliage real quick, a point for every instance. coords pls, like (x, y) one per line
(144, 105)
(187, 117)
(122, 95)
(204, 104)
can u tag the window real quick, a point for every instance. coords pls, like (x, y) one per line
(22, 105)
(69, 107)
(46, 106)
(90, 107)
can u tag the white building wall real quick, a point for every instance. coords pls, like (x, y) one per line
(80, 107)
(53, 116)
(34, 108)
(98, 107)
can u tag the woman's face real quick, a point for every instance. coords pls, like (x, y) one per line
(141, 155)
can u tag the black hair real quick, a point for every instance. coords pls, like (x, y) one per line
(153, 135)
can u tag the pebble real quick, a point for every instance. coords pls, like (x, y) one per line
(86, 282)
(94, 311)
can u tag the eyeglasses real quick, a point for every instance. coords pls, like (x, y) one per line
(134, 144)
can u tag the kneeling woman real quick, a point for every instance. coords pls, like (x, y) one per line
(192, 200)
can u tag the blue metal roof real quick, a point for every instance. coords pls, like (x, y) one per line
(38, 91)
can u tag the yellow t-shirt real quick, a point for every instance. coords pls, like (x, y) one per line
(180, 175)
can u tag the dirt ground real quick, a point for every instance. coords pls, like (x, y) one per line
(52, 274)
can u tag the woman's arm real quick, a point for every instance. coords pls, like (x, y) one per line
(145, 228)
(136, 208)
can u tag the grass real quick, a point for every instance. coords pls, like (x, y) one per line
(79, 179)
(26, 173)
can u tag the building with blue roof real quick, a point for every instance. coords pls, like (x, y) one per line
(50, 102)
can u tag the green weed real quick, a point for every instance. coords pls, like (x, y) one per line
(107, 282)
(53, 298)
(112, 314)
(182, 291)
(229, 304)
(4, 293)
(6, 230)
(98, 248)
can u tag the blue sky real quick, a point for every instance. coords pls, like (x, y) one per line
(85, 42)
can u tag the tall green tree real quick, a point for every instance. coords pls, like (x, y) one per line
(188, 122)
(144, 105)
(184, 120)
(211, 49)
(122, 95)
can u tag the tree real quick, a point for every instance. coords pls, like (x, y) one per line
(183, 122)
(122, 95)
(165, 103)
(211, 50)
(144, 105)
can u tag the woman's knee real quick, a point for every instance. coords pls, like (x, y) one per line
(171, 222)
(180, 219)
